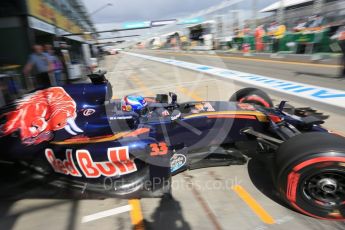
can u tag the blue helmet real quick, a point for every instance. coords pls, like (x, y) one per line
(133, 103)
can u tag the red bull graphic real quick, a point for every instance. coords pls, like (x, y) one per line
(117, 164)
(39, 114)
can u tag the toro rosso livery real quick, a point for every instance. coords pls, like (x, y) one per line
(131, 147)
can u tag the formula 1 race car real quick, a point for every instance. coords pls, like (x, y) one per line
(82, 135)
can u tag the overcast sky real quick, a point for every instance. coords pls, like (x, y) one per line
(112, 17)
(142, 10)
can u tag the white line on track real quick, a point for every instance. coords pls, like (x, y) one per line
(107, 213)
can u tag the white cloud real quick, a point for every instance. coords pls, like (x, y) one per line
(142, 10)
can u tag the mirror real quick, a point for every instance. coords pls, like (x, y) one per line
(176, 114)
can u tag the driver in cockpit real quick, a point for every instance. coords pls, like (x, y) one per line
(133, 104)
(138, 104)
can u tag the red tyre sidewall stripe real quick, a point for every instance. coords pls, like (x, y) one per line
(293, 180)
(258, 99)
(317, 160)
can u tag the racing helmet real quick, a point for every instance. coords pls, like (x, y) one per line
(133, 103)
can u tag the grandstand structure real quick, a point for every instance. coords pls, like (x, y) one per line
(295, 10)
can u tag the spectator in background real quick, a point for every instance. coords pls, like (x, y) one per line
(315, 22)
(259, 34)
(340, 36)
(57, 65)
(246, 30)
(40, 65)
(279, 34)
(272, 28)
(301, 25)
(238, 33)
(276, 32)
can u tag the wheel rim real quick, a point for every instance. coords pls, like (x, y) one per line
(326, 188)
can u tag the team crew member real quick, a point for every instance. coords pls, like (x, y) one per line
(259, 34)
(340, 36)
(341, 40)
(276, 32)
(57, 65)
(39, 63)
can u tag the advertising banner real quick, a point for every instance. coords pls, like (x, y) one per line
(191, 21)
(54, 12)
(135, 25)
(163, 22)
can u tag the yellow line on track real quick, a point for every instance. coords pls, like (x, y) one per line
(253, 204)
(189, 93)
(339, 133)
(141, 85)
(255, 60)
(137, 218)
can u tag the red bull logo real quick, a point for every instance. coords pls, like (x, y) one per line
(39, 114)
(118, 163)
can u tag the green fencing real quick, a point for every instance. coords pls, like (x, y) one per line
(303, 42)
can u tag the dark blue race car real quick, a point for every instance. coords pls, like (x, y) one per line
(82, 135)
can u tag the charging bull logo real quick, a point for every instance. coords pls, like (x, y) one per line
(38, 115)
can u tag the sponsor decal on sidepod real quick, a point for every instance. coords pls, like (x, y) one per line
(177, 161)
(118, 163)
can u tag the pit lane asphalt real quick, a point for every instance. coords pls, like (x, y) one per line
(318, 73)
(214, 198)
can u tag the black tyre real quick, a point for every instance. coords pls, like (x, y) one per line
(310, 174)
(252, 96)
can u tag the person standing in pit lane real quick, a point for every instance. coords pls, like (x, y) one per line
(57, 78)
(40, 65)
(259, 34)
(341, 40)
(340, 37)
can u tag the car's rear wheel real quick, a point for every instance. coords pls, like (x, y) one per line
(310, 174)
(252, 96)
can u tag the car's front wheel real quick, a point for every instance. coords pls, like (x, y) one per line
(310, 174)
(252, 96)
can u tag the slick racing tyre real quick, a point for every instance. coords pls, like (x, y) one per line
(252, 96)
(309, 174)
